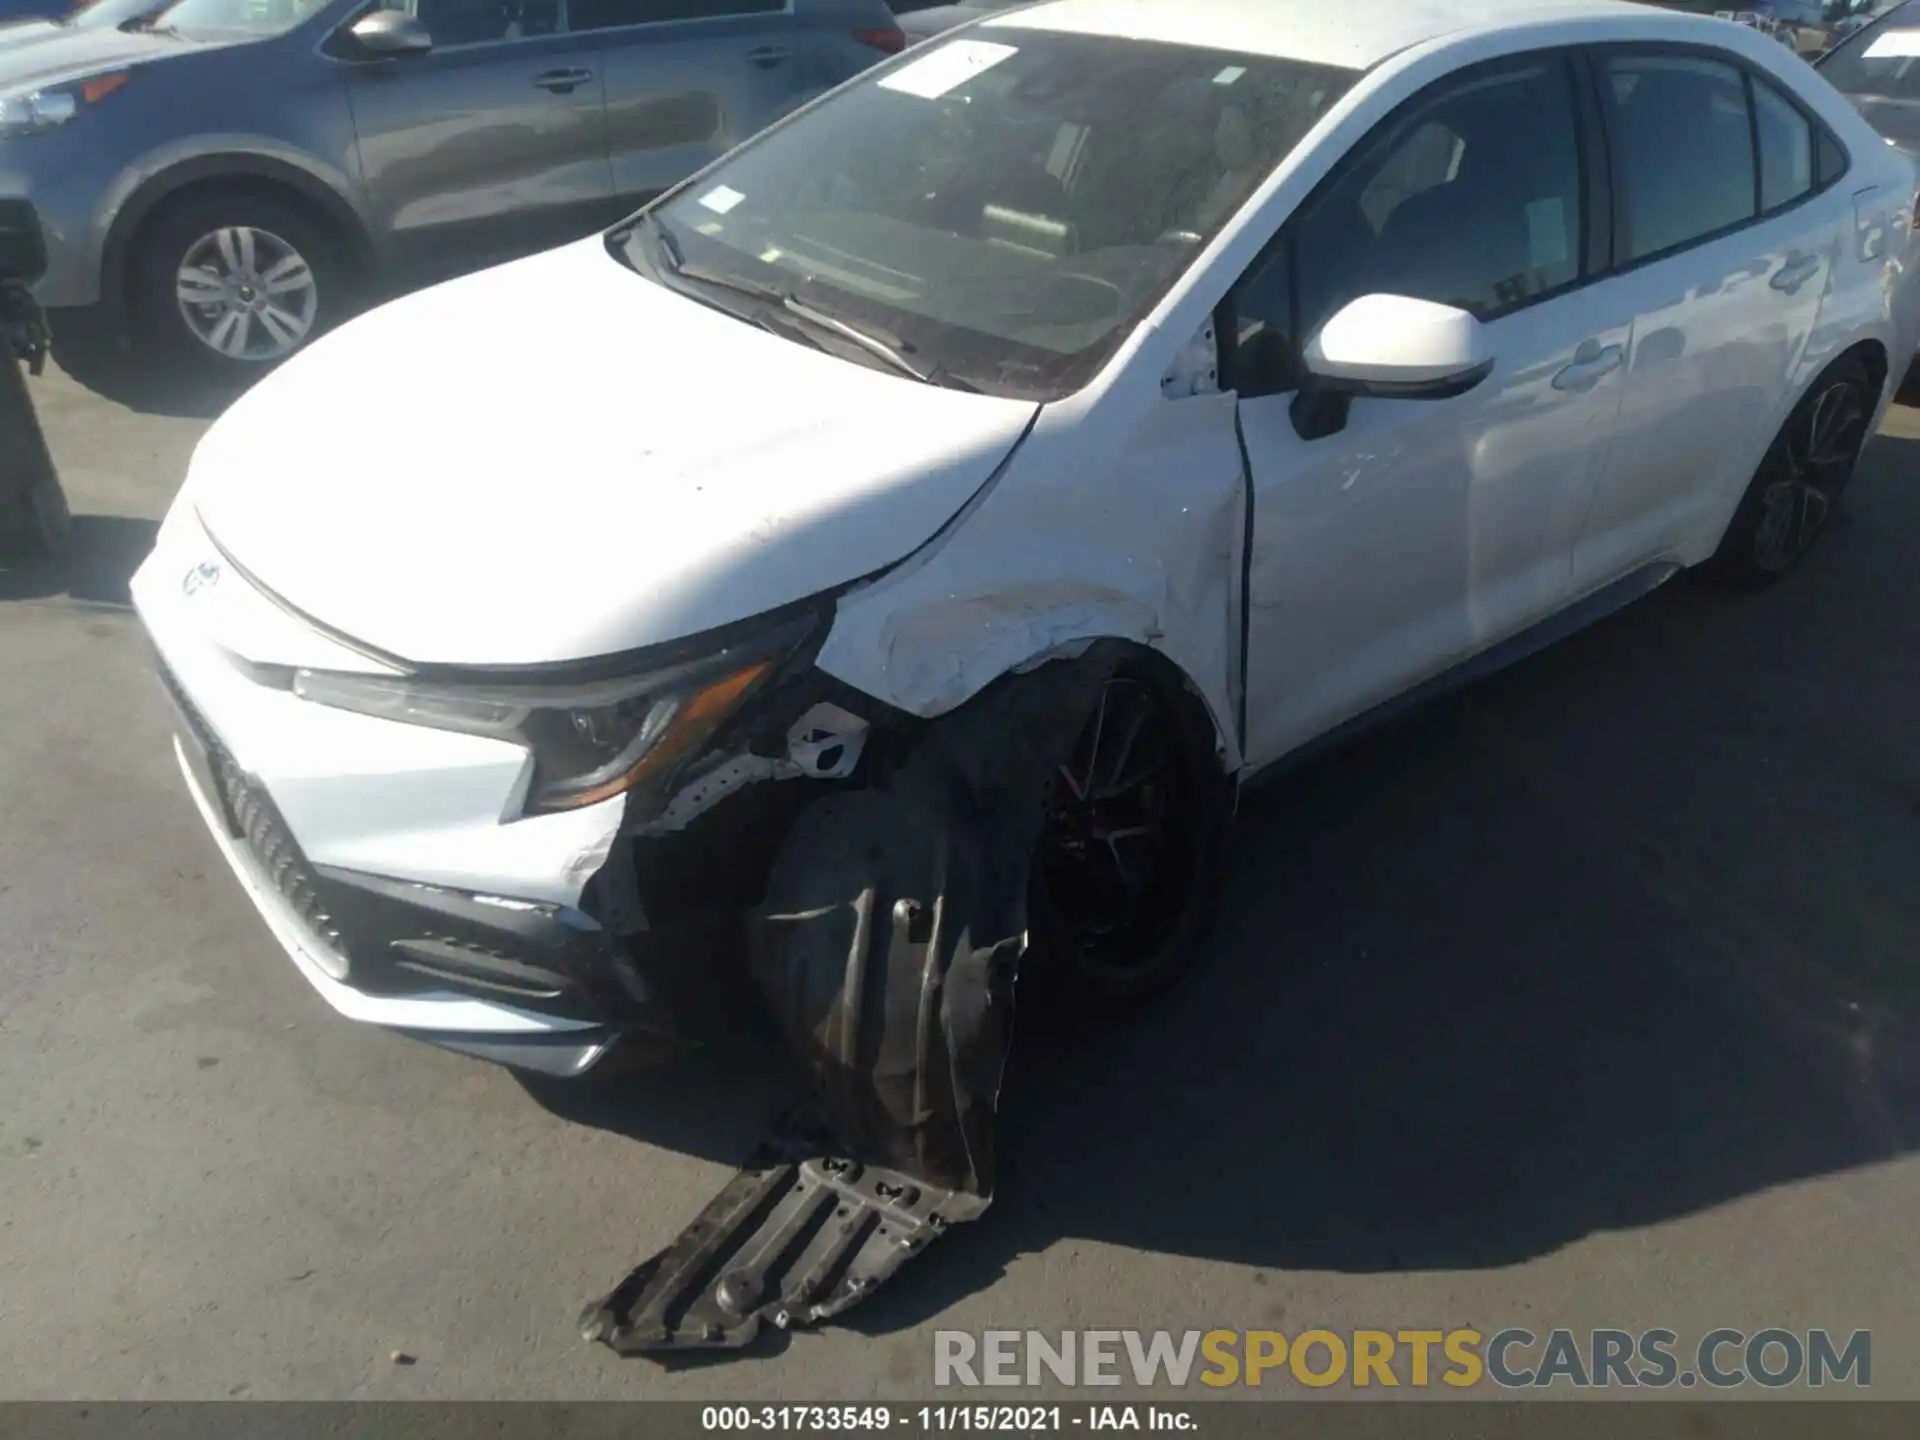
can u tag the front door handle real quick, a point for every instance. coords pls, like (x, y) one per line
(1798, 270)
(563, 82)
(1591, 364)
(768, 56)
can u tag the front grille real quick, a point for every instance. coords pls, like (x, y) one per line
(254, 820)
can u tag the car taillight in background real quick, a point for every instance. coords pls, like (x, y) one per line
(890, 38)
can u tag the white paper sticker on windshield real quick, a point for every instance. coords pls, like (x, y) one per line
(1893, 45)
(1230, 74)
(721, 199)
(947, 68)
(1547, 233)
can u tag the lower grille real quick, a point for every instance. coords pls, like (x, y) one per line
(254, 820)
(277, 854)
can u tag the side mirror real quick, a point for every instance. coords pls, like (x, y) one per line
(387, 33)
(1393, 347)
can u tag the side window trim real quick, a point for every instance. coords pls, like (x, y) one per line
(786, 7)
(1596, 167)
(339, 36)
(1750, 90)
(1750, 76)
(1596, 243)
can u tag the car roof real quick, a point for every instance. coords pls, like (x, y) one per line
(1356, 34)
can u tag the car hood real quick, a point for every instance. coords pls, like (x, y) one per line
(75, 52)
(558, 459)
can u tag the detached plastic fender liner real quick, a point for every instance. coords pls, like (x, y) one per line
(887, 946)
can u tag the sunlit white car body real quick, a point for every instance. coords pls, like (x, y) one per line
(479, 477)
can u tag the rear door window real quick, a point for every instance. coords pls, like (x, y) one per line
(1683, 149)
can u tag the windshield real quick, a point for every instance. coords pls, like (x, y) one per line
(256, 19)
(1878, 61)
(1003, 209)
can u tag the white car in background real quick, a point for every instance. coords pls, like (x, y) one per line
(898, 544)
(1878, 69)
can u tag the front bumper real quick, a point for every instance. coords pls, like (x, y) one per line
(64, 213)
(466, 929)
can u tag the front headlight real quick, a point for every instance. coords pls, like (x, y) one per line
(589, 741)
(38, 110)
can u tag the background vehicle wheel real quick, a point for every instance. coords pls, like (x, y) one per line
(1800, 481)
(1125, 874)
(235, 283)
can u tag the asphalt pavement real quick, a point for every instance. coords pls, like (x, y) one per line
(1585, 998)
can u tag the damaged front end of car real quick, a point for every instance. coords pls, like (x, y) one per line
(870, 870)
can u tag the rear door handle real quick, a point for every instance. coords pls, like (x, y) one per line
(563, 82)
(1798, 270)
(1591, 364)
(768, 56)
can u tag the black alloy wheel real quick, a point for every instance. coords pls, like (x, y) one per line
(1122, 876)
(1802, 478)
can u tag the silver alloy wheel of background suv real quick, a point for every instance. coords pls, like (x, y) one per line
(247, 294)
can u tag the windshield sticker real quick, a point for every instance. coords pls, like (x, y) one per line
(1547, 233)
(947, 68)
(721, 199)
(1230, 74)
(1893, 45)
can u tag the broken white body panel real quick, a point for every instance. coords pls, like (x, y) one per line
(578, 462)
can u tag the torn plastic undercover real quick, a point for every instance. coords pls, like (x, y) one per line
(887, 947)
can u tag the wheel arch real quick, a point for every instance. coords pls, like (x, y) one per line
(967, 660)
(1870, 350)
(1873, 353)
(227, 173)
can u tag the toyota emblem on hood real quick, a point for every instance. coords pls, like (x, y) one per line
(206, 573)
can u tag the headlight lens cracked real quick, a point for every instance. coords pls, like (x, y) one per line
(590, 741)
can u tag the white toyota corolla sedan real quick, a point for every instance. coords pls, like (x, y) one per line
(892, 548)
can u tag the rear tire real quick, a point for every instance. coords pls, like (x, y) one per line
(1801, 480)
(232, 283)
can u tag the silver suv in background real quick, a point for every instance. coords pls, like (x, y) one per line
(87, 15)
(238, 174)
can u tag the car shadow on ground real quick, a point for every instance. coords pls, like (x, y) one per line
(94, 350)
(105, 550)
(1624, 932)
